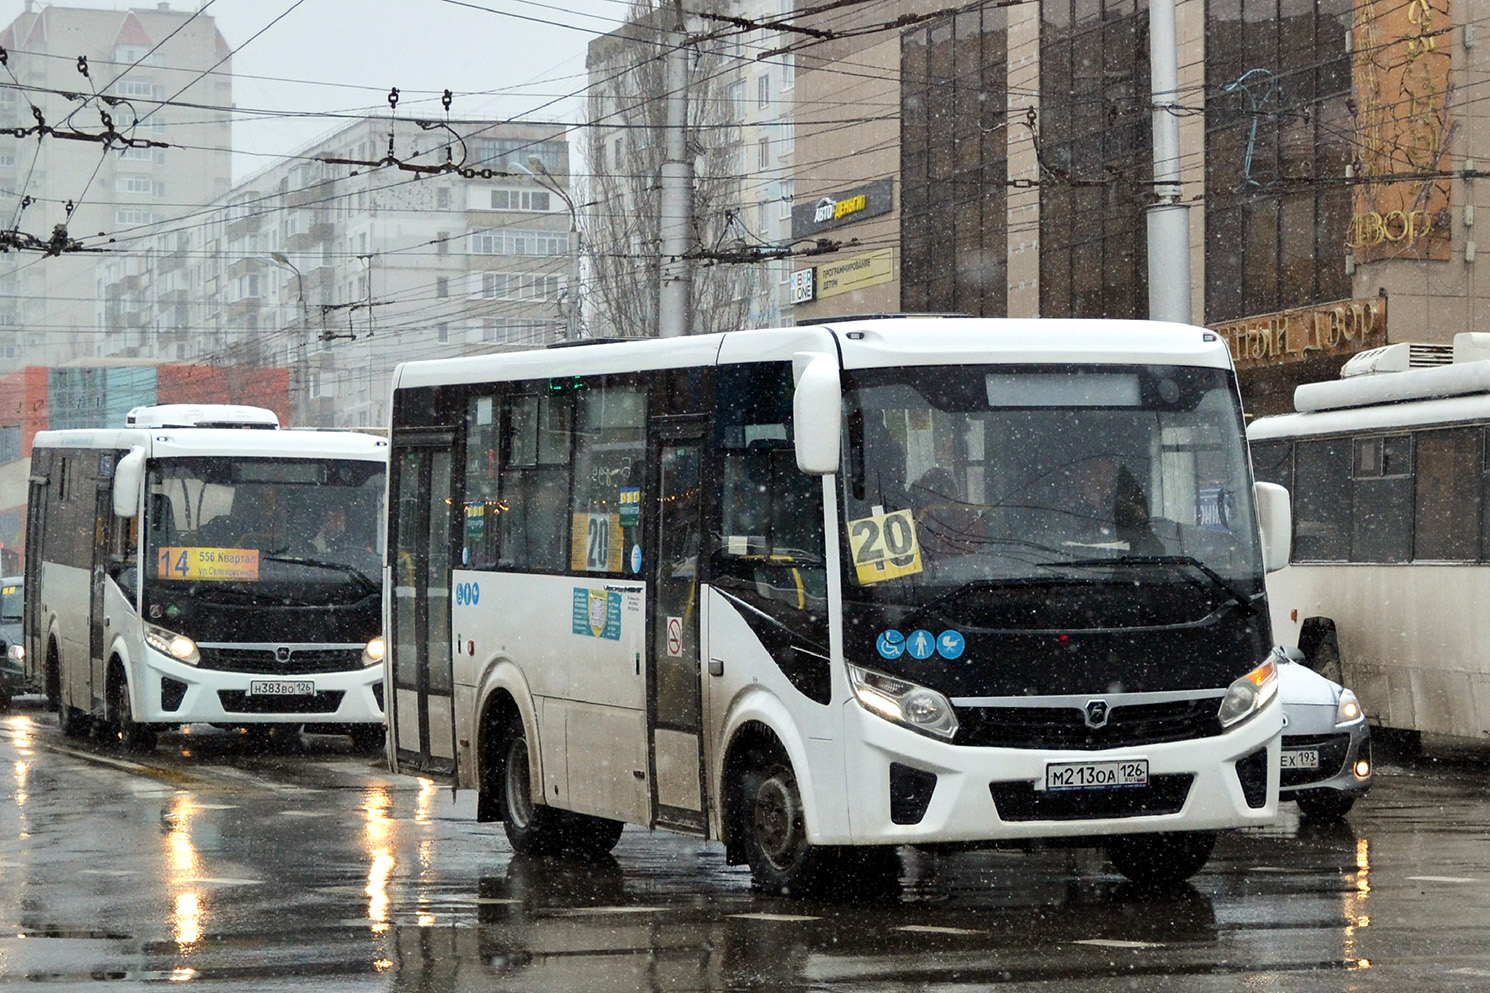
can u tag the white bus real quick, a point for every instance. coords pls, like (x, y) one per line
(824, 591)
(1388, 583)
(187, 568)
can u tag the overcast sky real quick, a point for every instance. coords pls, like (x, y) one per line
(330, 56)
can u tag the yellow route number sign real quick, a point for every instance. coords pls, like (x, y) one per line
(208, 564)
(884, 546)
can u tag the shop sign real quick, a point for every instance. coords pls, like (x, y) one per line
(855, 273)
(804, 285)
(1401, 70)
(1341, 328)
(837, 209)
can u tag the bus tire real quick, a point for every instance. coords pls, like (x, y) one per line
(133, 737)
(1161, 859)
(72, 721)
(772, 828)
(532, 828)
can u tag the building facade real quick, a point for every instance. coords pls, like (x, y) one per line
(1328, 153)
(338, 263)
(163, 86)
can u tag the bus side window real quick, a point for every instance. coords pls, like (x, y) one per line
(534, 478)
(480, 530)
(769, 545)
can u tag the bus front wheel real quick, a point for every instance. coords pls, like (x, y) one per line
(1161, 859)
(133, 736)
(773, 828)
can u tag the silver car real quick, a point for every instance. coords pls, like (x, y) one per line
(1326, 742)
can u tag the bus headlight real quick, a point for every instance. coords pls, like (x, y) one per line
(177, 646)
(16, 653)
(1348, 710)
(372, 654)
(1249, 694)
(904, 702)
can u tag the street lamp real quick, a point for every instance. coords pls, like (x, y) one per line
(540, 172)
(298, 371)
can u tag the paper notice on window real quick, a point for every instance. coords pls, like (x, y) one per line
(884, 546)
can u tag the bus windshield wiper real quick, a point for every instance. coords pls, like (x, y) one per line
(351, 570)
(1191, 561)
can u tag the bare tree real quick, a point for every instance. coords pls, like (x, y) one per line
(625, 147)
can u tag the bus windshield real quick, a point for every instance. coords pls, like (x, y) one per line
(260, 530)
(1039, 497)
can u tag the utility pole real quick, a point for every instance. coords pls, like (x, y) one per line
(676, 221)
(1168, 216)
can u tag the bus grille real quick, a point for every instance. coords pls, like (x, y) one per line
(239, 702)
(1065, 727)
(301, 660)
(1333, 748)
(1022, 802)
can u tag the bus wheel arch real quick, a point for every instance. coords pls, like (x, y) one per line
(496, 718)
(1320, 643)
(119, 711)
(766, 817)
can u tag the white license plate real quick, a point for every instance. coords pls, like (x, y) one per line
(1303, 758)
(281, 687)
(1096, 775)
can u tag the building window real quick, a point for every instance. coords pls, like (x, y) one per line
(736, 100)
(763, 153)
(442, 333)
(504, 241)
(442, 198)
(763, 91)
(1096, 148)
(537, 201)
(953, 164)
(1275, 230)
(442, 286)
(506, 151)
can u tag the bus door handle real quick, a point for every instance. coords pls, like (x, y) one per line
(716, 667)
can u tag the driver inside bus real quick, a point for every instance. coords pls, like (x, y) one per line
(944, 523)
(1108, 506)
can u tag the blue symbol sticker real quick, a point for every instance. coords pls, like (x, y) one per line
(949, 644)
(636, 558)
(920, 644)
(891, 644)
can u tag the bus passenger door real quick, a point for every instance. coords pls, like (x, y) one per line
(100, 624)
(421, 715)
(675, 714)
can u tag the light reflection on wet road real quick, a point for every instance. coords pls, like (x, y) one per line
(214, 866)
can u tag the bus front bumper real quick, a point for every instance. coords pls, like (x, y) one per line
(920, 790)
(172, 692)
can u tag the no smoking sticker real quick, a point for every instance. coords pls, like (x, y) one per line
(674, 637)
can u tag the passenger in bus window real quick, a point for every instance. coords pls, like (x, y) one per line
(945, 525)
(331, 537)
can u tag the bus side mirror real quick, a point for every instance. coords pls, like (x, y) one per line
(1275, 522)
(128, 475)
(817, 413)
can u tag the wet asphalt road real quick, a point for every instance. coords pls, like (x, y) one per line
(210, 864)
